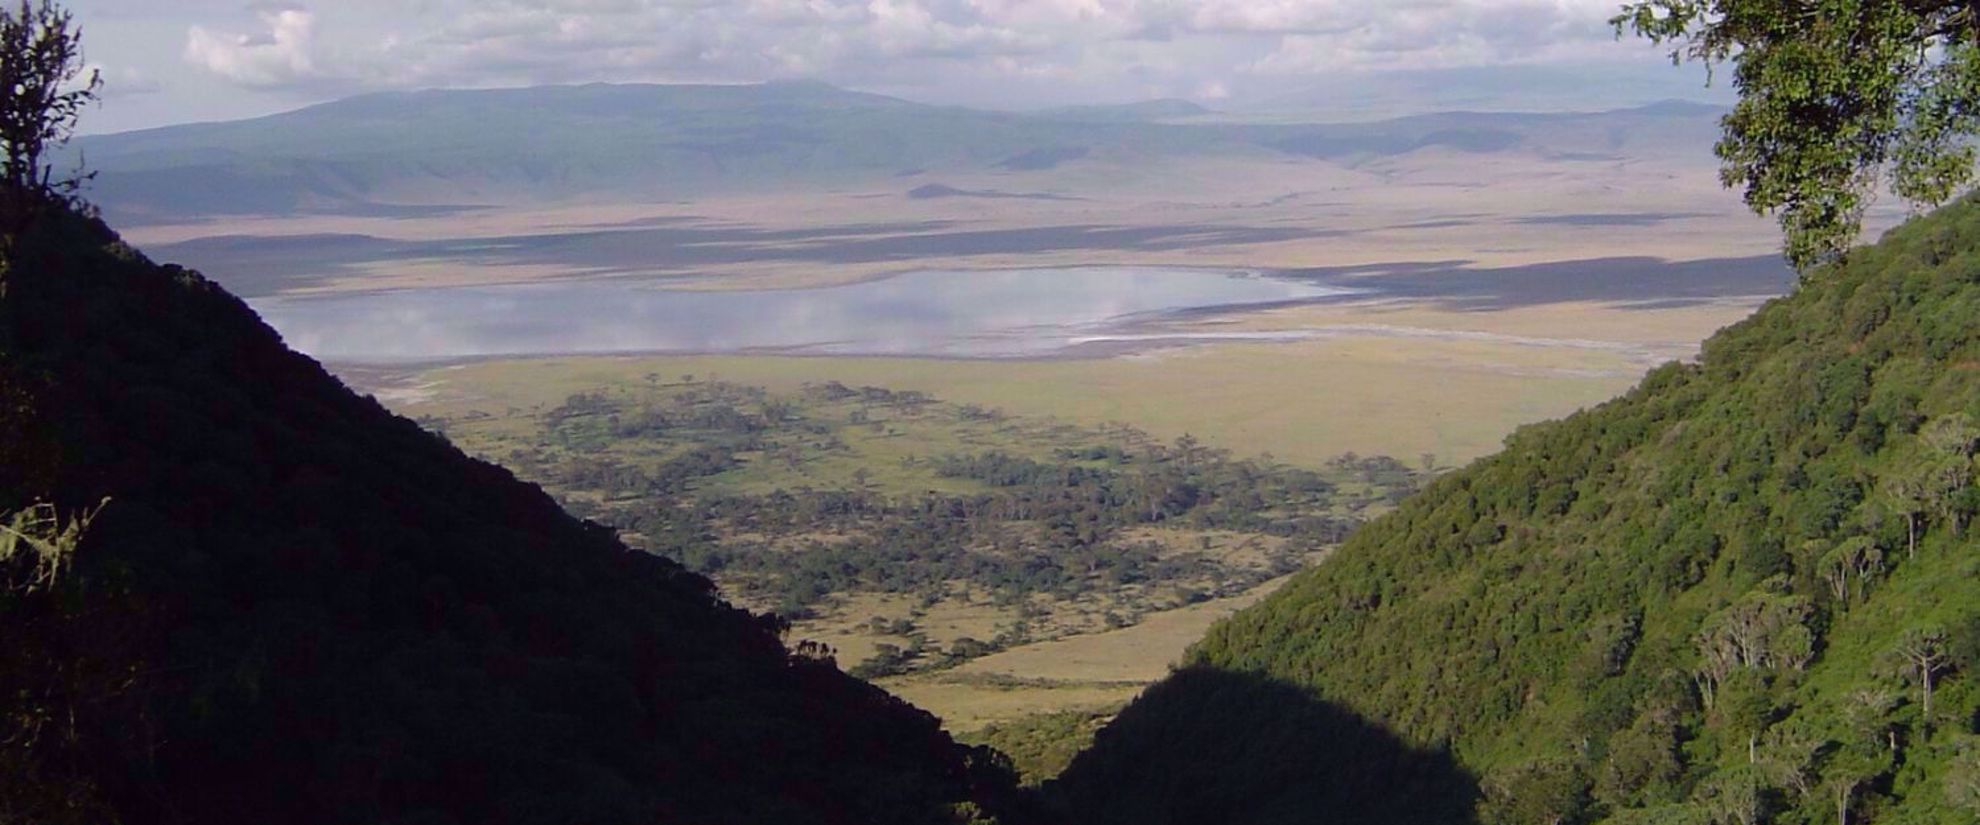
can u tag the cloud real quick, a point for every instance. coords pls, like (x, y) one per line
(121, 82)
(281, 55)
(1452, 34)
(1169, 47)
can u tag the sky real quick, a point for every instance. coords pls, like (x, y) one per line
(175, 61)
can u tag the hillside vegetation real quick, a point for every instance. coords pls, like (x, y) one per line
(1746, 592)
(289, 605)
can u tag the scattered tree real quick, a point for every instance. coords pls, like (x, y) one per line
(1859, 755)
(1763, 632)
(1746, 707)
(1924, 654)
(1904, 494)
(1851, 564)
(1735, 796)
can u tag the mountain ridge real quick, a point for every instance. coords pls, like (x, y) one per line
(372, 154)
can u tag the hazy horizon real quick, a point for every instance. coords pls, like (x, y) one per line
(212, 60)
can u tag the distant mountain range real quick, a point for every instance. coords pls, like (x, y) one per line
(405, 153)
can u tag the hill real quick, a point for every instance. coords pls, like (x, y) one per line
(1746, 592)
(417, 153)
(293, 606)
(1140, 111)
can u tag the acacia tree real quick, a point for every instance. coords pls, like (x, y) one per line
(1904, 493)
(43, 89)
(1923, 651)
(1837, 98)
(1858, 756)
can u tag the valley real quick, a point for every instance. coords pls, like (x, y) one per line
(1435, 379)
(780, 382)
(985, 566)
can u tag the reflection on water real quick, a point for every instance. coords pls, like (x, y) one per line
(1008, 313)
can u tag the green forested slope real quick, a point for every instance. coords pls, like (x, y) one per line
(1698, 603)
(296, 607)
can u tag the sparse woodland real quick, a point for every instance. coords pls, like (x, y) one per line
(751, 487)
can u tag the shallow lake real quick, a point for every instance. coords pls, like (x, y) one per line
(976, 314)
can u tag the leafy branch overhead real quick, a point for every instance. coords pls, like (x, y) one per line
(43, 89)
(1837, 98)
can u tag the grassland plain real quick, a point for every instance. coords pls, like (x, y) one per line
(1303, 402)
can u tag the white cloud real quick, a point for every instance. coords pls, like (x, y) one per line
(122, 81)
(283, 54)
(1208, 49)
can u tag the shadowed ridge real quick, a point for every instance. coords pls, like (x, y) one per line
(1209, 745)
(345, 619)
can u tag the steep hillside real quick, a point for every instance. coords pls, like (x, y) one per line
(296, 607)
(1745, 592)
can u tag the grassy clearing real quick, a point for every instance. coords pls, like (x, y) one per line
(1041, 703)
(967, 707)
(1141, 653)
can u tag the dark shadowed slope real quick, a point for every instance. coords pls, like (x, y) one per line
(1748, 591)
(1209, 745)
(317, 612)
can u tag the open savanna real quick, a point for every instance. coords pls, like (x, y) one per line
(1303, 402)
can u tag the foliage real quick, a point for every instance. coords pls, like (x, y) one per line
(56, 699)
(40, 545)
(40, 99)
(1693, 599)
(1041, 746)
(1834, 94)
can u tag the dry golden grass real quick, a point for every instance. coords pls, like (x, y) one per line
(1088, 673)
(966, 706)
(1303, 402)
(1141, 653)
